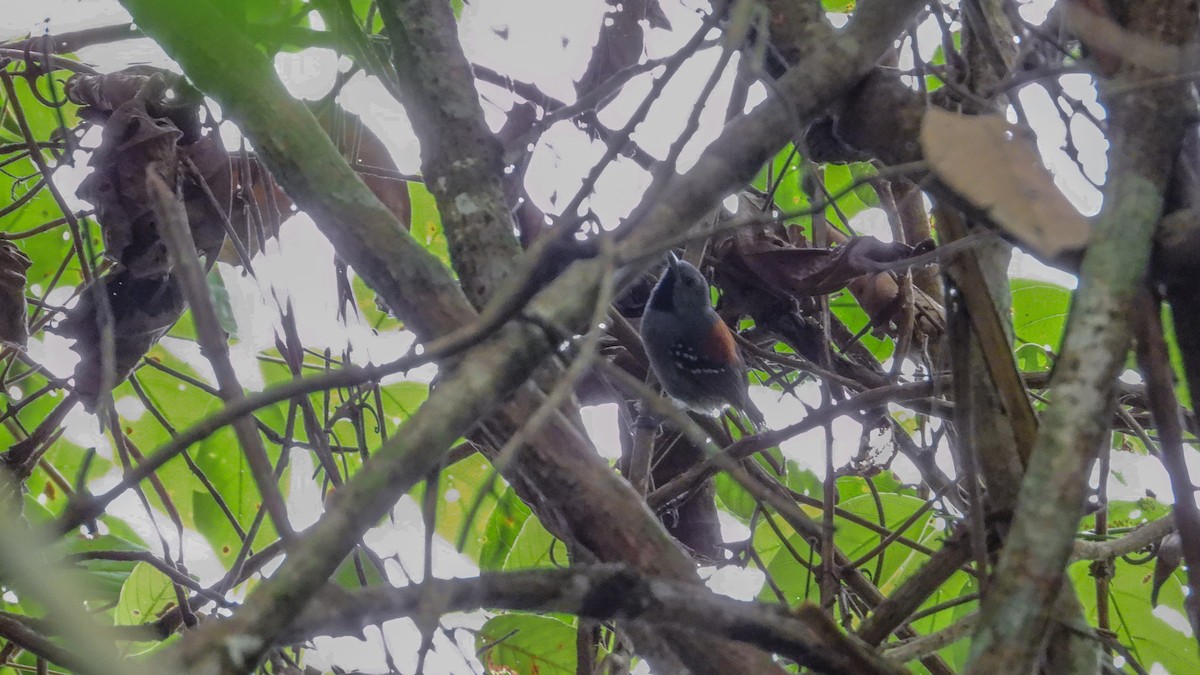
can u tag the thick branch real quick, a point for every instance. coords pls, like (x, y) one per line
(603, 592)
(15, 629)
(1145, 124)
(1136, 540)
(460, 158)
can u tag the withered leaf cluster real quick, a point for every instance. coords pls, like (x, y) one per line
(152, 119)
(769, 267)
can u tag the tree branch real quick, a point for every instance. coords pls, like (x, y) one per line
(461, 160)
(173, 227)
(1145, 127)
(603, 592)
(930, 644)
(1136, 540)
(1155, 363)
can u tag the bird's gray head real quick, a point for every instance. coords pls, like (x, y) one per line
(682, 288)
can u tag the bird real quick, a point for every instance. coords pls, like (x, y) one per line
(691, 350)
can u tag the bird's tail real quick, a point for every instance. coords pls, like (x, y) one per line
(754, 415)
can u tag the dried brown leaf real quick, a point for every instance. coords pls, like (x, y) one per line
(101, 95)
(14, 330)
(142, 311)
(764, 260)
(131, 140)
(258, 199)
(206, 219)
(365, 151)
(992, 164)
(149, 122)
(619, 45)
(768, 261)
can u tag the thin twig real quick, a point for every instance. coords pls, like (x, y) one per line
(1155, 363)
(176, 233)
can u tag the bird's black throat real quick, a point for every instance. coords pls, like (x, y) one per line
(662, 298)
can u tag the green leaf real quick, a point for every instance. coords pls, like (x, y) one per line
(357, 572)
(48, 249)
(846, 308)
(786, 176)
(854, 540)
(839, 177)
(81, 543)
(1128, 513)
(803, 481)
(266, 12)
(401, 399)
(119, 528)
(67, 459)
(1181, 389)
(504, 525)
(790, 195)
(884, 481)
(224, 463)
(219, 456)
(426, 225)
(43, 120)
(144, 596)
(527, 644)
(365, 299)
(899, 561)
(145, 657)
(1039, 312)
(361, 8)
(221, 302)
(933, 82)
(34, 512)
(185, 328)
(1150, 638)
(784, 568)
(459, 487)
(839, 6)
(105, 578)
(957, 586)
(1032, 358)
(734, 497)
(534, 547)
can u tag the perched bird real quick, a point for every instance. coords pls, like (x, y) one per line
(691, 350)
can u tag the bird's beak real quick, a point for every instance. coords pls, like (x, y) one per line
(672, 261)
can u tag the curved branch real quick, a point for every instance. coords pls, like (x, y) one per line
(603, 592)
